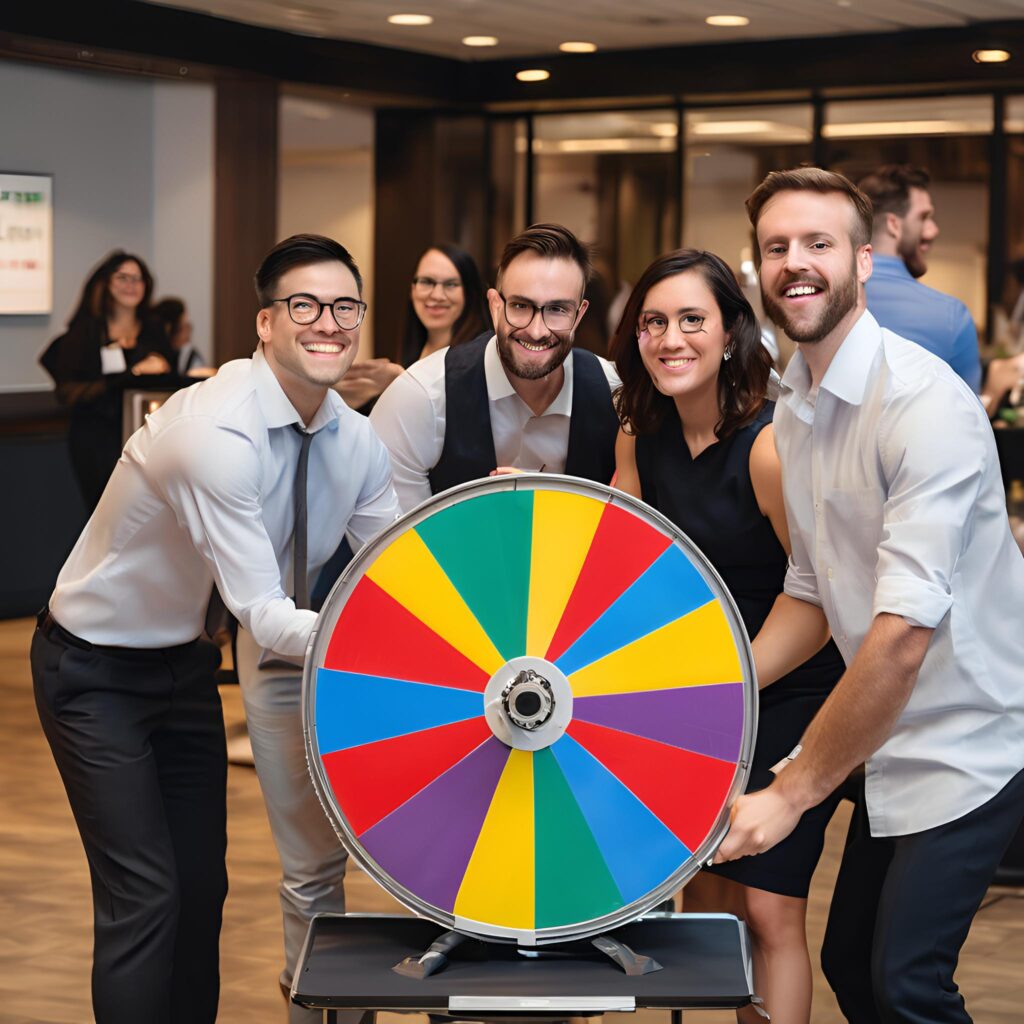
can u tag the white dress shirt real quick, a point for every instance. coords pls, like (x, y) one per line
(410, 419)
(203, 493)
(895, 504)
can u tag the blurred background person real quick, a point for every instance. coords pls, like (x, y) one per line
(172, 317)
(446, 307)
(902, 236)
(446, 303)
(110, 340)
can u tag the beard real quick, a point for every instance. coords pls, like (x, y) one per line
(909, 251)
(514, 360)
(840, 298)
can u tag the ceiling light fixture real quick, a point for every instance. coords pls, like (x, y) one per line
(479, 40)
(577, 47)
(990, 56)
(727, 20)
(410, 19)
(533, 75)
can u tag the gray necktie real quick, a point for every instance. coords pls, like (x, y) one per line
(299, 569)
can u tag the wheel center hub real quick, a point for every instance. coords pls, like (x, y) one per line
(528, 703)
(528, 700)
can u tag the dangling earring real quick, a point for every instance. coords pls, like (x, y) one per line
(727, 354)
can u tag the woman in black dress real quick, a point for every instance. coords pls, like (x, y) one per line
(697, 444)
(110, 341)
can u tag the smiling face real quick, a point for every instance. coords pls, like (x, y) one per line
(683, 364)
(811, 274)
(127, 285)
(534, 351)
(917, 231)
(316, 356)
(439, 307)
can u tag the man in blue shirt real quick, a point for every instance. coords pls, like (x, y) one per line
(904, 229)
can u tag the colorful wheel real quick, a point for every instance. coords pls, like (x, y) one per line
(528, 707)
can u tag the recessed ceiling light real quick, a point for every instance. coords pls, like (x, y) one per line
(479, 40)
(533, 75)
(577, 47)
(990, 56)
(411, 19)
(727, 20)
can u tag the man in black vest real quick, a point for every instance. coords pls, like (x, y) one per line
(511, 398)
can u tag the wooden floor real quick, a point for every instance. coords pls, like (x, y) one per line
(45, 909)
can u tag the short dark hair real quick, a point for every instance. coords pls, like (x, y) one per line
(813, 179)
(300, 251)
(473, 319)
(889, 187)
(552, 241)
(742, 382)
(168, 312)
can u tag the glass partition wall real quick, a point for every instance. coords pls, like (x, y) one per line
(637, 182)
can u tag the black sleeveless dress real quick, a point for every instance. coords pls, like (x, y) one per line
(711, 499)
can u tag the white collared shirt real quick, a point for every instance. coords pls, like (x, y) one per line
(895, 504)
(410, 419)
(203, 492)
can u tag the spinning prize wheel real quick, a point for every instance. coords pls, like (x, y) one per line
(528, 707)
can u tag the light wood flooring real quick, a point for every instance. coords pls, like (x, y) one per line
(45, 935)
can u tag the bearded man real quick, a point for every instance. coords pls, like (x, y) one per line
(899, 535)
(519, 396)
(902, 234)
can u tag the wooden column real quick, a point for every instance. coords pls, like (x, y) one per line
(245, 226)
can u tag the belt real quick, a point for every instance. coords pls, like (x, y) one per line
(48, 625)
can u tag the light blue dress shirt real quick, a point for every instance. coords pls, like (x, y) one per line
(895, 504)
(938, 322)
(203, 494)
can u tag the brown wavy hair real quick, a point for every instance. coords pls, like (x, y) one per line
(742, 381)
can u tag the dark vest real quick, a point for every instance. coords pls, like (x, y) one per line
(468, 451)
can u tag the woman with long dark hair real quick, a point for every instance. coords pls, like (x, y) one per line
(447, 303)
(446, 306)
(697, 444)
(109, 341)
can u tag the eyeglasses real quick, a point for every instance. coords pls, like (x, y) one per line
(122, 278)
(656, 325)
(305, 310)
(557, 316)
(425, 285)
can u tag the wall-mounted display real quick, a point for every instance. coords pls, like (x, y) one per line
(26, 243)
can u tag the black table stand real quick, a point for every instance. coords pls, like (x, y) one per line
(347, 964)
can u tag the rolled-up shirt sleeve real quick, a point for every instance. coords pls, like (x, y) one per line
(801, 582)
(412, 430)
(935, 445)
(210, 477)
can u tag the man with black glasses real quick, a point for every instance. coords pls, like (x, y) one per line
(512, 397)
(247, 481)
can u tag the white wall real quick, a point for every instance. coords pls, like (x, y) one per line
(183, 210)
(101, 136)
(333, 196)
(325, 184)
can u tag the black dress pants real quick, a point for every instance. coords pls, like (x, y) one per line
(902, 909)
(138, 737)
